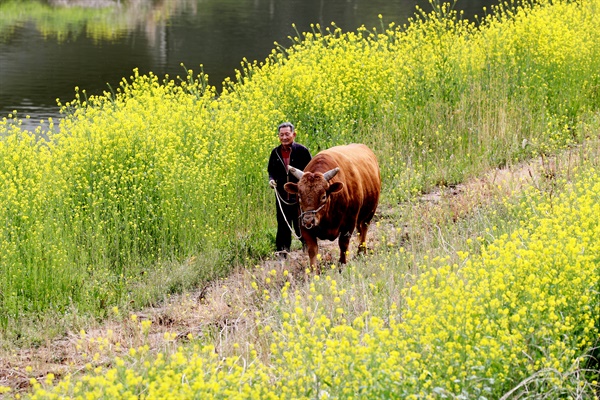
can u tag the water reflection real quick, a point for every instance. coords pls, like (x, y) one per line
(100, 20)
(48, 48)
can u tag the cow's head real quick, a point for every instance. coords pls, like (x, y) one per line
(313, 190)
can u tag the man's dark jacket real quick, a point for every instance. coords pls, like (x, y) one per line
(299, 158)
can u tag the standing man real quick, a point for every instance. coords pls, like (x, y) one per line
(287, 153)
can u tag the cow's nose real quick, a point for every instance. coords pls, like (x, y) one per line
(308, 222)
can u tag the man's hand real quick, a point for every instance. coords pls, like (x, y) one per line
(273, 184)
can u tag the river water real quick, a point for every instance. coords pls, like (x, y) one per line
(48, 48)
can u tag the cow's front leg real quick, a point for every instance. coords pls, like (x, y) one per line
(313, 250)
(344, 242)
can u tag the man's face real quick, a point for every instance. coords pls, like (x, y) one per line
(286, 136)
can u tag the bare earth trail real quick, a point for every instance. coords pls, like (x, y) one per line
(225, 309)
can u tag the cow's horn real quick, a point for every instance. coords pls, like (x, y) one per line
(296, 172)
(331, 173)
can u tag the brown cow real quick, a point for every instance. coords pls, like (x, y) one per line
(338, 192)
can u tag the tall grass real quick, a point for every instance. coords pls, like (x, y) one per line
(168, 173)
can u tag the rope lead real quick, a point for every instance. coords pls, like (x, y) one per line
(279, 200)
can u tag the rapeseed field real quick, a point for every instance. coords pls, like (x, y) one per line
(166, 174)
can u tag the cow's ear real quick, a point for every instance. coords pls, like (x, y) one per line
(335, 187)
(291, 187)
